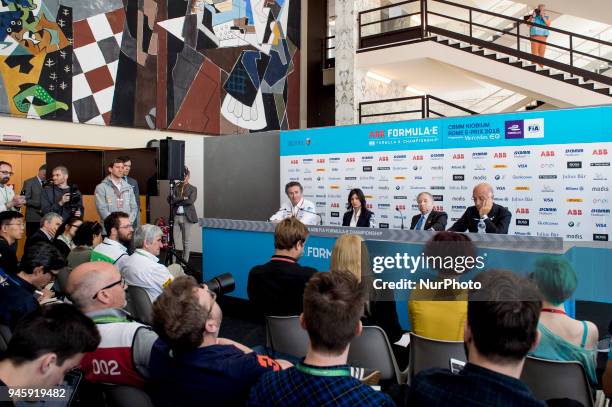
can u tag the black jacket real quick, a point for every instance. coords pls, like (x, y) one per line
(498, 221)
(277, 287)
(185, 195)
(435, 220)
(62, 247)
(362, 222)
(38, 236)
(8, 258)
(33, 193)
(51, 196)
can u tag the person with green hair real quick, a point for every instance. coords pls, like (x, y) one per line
(562, 337)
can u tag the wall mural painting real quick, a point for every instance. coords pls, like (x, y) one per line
(207, 66)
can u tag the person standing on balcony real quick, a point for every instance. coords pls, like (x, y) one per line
(539, 35)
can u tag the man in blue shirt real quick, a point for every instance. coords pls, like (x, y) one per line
(501, 328)
(190, 365)
(20, 293)
(333, 304)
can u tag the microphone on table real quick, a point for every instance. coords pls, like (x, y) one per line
(313, 213)
(279, 209)
(401, 215)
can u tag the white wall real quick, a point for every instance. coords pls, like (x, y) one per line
(51, 132)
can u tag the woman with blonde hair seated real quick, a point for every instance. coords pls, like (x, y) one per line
(562, 337)
(349, 254)
(441, 314)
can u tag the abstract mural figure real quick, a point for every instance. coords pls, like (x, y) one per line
(41, 49)
(208, 66)
(261, 74)
(255, 90)
(36, 93)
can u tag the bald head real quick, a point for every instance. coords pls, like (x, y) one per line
(89, 280)
(481, 194)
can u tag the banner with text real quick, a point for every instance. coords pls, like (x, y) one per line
(550, 169)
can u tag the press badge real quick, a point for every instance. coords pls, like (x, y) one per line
(119, 203)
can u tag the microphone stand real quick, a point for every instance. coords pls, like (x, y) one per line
(401, 216)
(170, 252)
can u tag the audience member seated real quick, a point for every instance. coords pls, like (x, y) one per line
(563, 338)
(607, 376)
(87, 236)
(47, 344)
(333, 305)
(441, 314)
(189, 358)
(276, 288)
(11, 230)
(501, 328)
(48, 228)
(21, 293)
(380, 309)
(142, 268)
(65, 235)
(114, 247)
(98, 290)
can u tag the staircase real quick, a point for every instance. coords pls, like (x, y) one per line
(460, 26)
(525, 65)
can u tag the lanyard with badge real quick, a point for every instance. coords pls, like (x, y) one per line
(313, 371)
(4, 276)
(109, 320)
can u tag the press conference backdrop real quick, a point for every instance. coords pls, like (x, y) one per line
(551, 169)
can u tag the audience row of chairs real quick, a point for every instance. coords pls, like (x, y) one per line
(547, 379)
(373, 350)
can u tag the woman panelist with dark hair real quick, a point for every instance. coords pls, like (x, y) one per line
(358, 215)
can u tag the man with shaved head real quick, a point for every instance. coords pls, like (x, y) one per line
(485, 216)
(98, 290)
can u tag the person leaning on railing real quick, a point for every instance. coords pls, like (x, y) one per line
(539, 35)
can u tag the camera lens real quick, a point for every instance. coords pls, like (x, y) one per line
(222, 284)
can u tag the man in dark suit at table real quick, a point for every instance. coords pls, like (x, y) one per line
(485, 216)
(428, 219)
(32, 189)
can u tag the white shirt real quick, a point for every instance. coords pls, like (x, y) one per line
(305, 211)
(117, 184)
(355, 218)
(143, 269)
(6, 195)
(110, 251)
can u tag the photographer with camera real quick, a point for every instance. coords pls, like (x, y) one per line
(539, 35)
(60, 198)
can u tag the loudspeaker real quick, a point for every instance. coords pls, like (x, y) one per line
(171, 160)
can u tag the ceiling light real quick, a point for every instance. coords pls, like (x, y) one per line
(378, 77)
(414, 90)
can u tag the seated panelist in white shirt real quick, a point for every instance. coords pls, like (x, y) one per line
(358, 214)
(304, 210)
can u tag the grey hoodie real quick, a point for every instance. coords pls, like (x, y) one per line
(109, 199)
